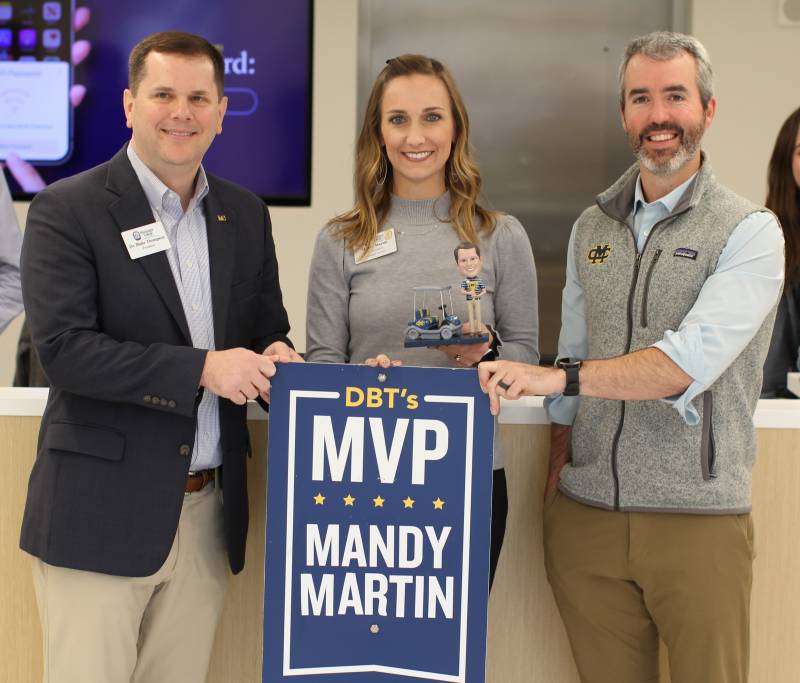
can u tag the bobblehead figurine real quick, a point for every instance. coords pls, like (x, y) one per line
(428, 328)
(469, 262)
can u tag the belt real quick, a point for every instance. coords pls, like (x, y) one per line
(198, 480)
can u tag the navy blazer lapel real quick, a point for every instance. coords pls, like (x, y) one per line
(221, 229)
(130, 210)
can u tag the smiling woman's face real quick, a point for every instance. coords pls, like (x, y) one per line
(417, 129)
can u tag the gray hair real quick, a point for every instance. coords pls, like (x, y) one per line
(664, 45)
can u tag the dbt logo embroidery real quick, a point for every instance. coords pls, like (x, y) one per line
(599, 253)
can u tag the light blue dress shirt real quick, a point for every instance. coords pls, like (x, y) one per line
(10, 245)
(730, 308)
(188, 260)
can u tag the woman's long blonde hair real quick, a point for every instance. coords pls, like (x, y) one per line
(373, 172)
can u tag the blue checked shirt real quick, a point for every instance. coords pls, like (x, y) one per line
(188, 260)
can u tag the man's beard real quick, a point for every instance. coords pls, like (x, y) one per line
(667, 163)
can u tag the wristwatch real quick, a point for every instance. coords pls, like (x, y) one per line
(572, 367)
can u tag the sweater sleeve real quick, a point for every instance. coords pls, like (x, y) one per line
(516, 302)
(327, 311)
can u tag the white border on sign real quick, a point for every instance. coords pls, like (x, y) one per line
(294, 394)
(469, 402)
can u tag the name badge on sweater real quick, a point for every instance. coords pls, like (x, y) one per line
(145, 240)
(385, 243)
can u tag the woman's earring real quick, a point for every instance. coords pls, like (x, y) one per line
(383, 171)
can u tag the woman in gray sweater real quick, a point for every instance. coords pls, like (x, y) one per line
(417, 189)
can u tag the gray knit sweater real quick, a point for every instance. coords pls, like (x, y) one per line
(357, 311)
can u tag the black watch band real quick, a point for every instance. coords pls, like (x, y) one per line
(572, 368)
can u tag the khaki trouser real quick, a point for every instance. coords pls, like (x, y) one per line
(622, 579)
(108, 629)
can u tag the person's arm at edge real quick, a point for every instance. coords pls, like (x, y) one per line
(273, 322)
(572, 343)
(516, 307)
(560, 455)
(328, 302)
(10, 244)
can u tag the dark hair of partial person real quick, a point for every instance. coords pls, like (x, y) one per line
(174, 43)
(664, 45)
(783, 194)
(466, 246)
(373, 172)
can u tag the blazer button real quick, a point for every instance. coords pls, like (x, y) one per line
(172, 404)
(147, 398)
(184, 449)
(163, 402)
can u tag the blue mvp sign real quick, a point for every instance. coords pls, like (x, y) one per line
(379, 504)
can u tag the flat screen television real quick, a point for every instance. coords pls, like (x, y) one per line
(267, 46)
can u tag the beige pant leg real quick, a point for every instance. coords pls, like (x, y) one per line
(90, 622)
(95, 627)
(621, 579)
(696, 572)
(180, 622)
(611, 634)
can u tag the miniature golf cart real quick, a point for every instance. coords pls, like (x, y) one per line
(427, 329)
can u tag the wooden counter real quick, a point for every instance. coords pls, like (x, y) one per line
(527, 642)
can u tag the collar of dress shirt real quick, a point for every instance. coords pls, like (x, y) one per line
(156, 191)
(668, 201)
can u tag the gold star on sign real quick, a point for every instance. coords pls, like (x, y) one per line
(349, 500)
(438, 504)
(408, 502)
(379, 502)
(319, 499)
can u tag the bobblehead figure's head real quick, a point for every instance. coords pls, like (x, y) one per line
(468, 259)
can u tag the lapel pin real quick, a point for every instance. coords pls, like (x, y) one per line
(222, 218)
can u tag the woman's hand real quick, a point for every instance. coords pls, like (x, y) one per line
(467, 355)
(382, 361)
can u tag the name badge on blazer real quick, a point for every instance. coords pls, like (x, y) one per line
(145, 240)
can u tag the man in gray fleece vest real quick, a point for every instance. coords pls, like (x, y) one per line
(672, 282)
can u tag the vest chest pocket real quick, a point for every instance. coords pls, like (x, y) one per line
(646, 292)
(708, 455)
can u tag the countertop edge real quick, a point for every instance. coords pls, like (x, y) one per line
(779, 413)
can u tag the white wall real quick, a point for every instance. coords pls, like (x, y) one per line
(755, 65)
(333, 139)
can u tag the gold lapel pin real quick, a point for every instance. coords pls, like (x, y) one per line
(222, 218)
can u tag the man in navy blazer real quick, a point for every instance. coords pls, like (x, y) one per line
(153, 298)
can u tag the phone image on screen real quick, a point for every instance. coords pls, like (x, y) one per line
(35, 77)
